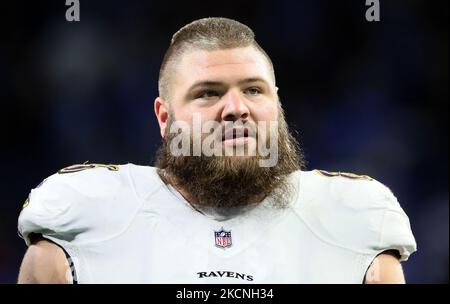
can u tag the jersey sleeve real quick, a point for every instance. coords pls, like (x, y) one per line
(357, 213)
(380, 223)
(78, 207)
(394, 231)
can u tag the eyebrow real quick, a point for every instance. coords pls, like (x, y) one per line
(218, 83)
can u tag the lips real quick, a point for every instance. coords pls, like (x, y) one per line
(238, 136)
(235, 133)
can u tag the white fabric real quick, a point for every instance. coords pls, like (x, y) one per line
(127, 226)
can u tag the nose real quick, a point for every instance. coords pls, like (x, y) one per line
(235, 107)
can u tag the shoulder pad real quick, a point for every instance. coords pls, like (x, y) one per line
(81, 203)
(354, 212)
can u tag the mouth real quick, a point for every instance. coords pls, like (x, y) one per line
(236, 136)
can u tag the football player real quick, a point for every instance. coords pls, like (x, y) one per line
(209, 217)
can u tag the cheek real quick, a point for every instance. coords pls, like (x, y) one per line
(193, 115)
(182, 116)
(267, 112)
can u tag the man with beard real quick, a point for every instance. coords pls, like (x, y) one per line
(207, 216)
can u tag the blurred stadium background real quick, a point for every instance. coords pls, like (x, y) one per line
(369, 98)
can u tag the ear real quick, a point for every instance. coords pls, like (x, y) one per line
(162, 114)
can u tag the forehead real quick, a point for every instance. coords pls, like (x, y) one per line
(229, 65)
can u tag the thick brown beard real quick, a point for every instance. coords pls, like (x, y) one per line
(227, 185)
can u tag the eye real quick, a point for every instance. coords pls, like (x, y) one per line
(208, 94)
(253, 91)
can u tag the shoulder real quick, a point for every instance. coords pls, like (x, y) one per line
(83, 203)
(354, 211)
(347, 190)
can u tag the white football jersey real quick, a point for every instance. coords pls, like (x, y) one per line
(123, 224)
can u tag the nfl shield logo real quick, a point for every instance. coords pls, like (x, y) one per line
(223, 238)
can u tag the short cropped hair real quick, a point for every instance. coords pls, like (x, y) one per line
(205, 34)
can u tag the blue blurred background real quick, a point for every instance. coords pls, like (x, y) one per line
(368, 98)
